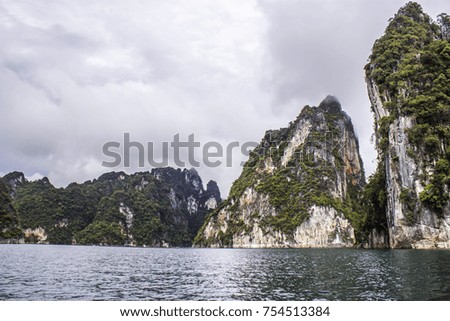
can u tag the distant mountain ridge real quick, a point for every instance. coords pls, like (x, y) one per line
(164, 207)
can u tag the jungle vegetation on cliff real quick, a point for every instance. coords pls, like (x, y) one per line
(410, 65)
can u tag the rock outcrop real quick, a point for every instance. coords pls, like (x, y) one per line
(300, 188)
(408, 79)
(164, 207)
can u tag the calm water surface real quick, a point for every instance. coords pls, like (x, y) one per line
(52, 272)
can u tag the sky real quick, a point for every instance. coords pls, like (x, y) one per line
(75, 75)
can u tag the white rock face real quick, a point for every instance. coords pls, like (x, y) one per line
(211, 203)
(192, 205)
(174, 203)
(375, 97)
(62, 223)
(212, 229)
(128, 213)
(304, 128)
(141, 186)
(192, 177)
(38, 233)
(403, 172)
(325, 227)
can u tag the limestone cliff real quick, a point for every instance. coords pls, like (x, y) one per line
(299, 188)
(164, 207)
(408, 78)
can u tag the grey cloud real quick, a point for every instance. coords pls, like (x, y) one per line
(320, 47)
(74, 75)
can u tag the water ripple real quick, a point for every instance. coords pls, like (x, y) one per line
(33, 272)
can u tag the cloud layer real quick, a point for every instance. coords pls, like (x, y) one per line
(74, 75)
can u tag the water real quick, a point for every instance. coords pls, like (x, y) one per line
(51, 272)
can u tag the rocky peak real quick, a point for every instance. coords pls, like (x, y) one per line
(193, 179)
(414, 11)
(188, 178)
(16, 177)
(13, 180)
(408, 82)
(213, 189)
(331, 105)
(298, 176)
(45, 181)
(112, 176)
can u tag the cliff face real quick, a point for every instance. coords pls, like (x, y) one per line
(408, 79)
(165, 207)
(9, 229)
(300, 188)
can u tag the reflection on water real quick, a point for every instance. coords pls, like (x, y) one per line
(50, 272)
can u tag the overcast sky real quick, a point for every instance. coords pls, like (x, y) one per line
(77, 74)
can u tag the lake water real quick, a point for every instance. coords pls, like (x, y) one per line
(52, 272)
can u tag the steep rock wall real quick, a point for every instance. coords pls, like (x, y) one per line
(408, 81)
(300, 188)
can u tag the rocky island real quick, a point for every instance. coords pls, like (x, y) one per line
(298, 190)
(408, 80)
(161, 208)
(302, 186)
